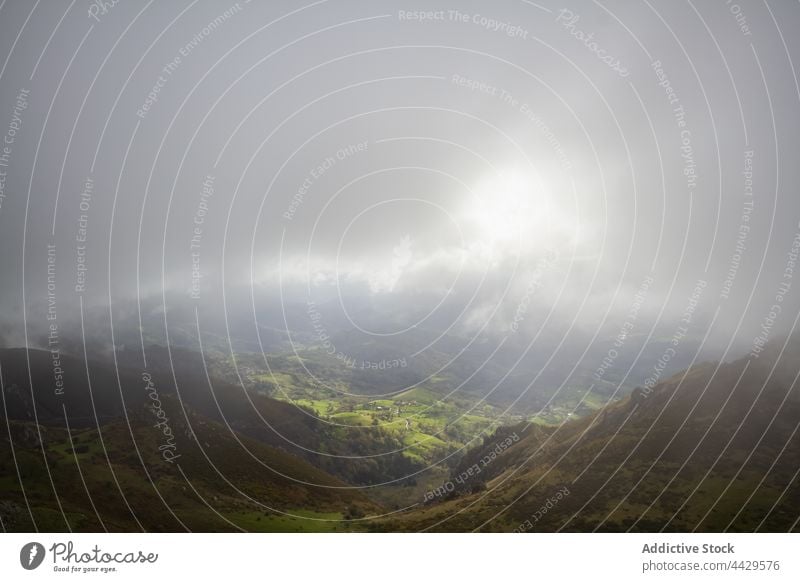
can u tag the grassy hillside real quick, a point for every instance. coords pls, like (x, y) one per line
(116, 478)
(713, 449)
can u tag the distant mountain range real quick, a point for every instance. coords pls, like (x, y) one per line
(175, 446)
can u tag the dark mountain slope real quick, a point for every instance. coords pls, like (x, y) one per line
(715, 448)
(118, 477)
(355, 455)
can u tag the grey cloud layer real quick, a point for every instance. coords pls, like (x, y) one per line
(357, 150)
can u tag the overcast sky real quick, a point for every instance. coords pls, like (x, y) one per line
(479, 167)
